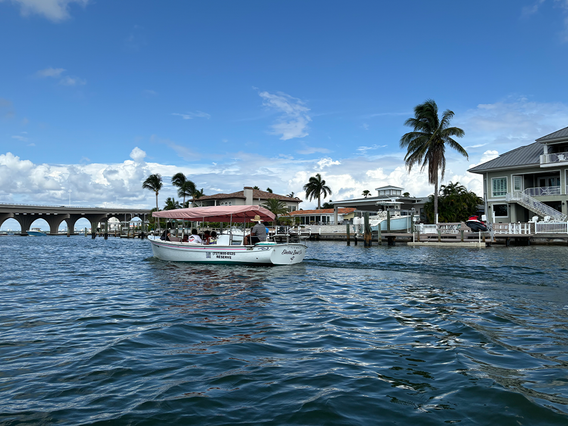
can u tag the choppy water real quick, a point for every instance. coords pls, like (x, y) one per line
(99, 332)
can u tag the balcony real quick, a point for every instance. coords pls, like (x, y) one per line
(542, 191)
(547, 160)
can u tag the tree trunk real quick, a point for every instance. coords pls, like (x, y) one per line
(157, 208)
(319, 202)
(436, 201)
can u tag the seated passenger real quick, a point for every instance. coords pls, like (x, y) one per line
(194, 237)
(213, 239)
(206, 237)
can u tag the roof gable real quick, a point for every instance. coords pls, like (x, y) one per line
(555, 136)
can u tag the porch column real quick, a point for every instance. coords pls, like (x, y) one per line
(335, 211)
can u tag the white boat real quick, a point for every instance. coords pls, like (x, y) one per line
(229, 248)
(398, 222)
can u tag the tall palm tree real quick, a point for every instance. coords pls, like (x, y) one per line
(315, 188)
(366, 193)
(276, 206)
(154, 183)
(186, 188)
(426, 145)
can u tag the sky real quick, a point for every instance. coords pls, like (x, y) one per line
(96, 95)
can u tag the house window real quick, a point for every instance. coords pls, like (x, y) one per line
(500, 210)
(498, 187)
(517, 183)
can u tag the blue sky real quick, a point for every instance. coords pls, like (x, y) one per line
(97, 95)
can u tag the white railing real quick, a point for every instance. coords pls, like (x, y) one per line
(513, 228)
(551, 228)
(557, 157)
(444, 228)
(541, 191)
(536, 206)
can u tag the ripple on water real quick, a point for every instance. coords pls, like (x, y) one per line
(95, 331)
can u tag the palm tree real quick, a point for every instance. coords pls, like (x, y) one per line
(366, 193)
(154, 183)
(315, 188)
(269, 190)
(426, 145)
(291, 194)
(197, 194)
(276, 206)
(186, 188)
(171, 204)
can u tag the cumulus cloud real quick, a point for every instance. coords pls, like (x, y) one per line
(137, 155)
(294, 119)
(54, 10)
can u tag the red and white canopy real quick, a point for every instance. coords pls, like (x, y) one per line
(218, 214)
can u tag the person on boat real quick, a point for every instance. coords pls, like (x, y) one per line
(165, 236)
(206, 237)
(213, 239)
(258, 232)
(194, 237)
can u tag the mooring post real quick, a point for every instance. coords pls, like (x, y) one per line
(348, 232)
(368, 234)
(388, 221)
(106, 230)
(439, 235)
(379, 236)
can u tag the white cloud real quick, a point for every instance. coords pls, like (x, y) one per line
(192, 115)
(293, 123)
(50, 72)
(534, 8)
(72, 81)
(364, 149)
(66, 80)
(20, 138)
(326, 162)
(54, 10)
(137, 155)
(312, 150)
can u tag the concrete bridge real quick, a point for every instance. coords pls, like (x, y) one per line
(54, 215)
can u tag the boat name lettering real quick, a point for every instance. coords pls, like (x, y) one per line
(292, 252)
(223, 253)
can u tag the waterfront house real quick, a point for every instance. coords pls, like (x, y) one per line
(247, 197)
(391, 198)
(323, 216)
(528, 181)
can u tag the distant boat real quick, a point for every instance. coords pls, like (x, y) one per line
(36, 233)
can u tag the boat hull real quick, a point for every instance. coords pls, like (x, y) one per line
(259, 254)
(396, 224)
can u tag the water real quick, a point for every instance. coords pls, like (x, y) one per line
(99, 332)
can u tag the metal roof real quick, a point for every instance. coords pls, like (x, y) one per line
(528, 155)
(558, 135)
